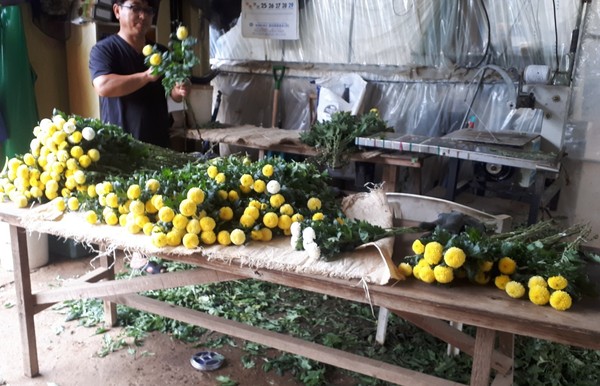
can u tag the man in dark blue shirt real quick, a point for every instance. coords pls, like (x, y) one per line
(130, 96)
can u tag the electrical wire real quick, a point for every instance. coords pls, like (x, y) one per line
(555, 41)
(488, 42)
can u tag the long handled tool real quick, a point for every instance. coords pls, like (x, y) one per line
(278, 72)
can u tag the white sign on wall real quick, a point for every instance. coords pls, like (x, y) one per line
(270, 19)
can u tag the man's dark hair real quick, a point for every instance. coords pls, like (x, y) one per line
(151, 3)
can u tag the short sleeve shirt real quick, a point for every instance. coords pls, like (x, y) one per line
(143, 113)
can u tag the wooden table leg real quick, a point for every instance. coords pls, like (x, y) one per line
(110, 309)
(482, 356)
(506, 345)
(25, 306)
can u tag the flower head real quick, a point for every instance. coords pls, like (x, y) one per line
(273, 187)
(539, 295)
(454, 257)
(560, 300)
(418, 247)
(426, 274)
(536, 280)
(182, 32)
(501, 280)
(443, 274)
(507, 266)
(433, 252)
(557, 282)
(514, 289)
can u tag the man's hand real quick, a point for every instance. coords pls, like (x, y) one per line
(181, 91)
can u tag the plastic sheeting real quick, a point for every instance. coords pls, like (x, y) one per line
(17, 94)
(418, 33)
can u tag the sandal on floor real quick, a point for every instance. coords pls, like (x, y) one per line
(153, 268)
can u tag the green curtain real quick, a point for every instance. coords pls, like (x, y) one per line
(18, 108)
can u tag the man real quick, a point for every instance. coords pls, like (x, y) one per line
(130, 96)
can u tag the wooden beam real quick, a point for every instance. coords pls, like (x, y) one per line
(133, 285)
(482, 357)
(338, 358)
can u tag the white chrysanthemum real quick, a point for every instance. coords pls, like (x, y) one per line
(308, 234)
(313, 251)
(294, 241)
(88, 133)
(295, 229)
(69, 127)
(273, 187)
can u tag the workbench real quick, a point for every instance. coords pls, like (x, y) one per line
(266, 139)
(496, 317)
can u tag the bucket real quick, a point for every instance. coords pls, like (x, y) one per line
(37, 248)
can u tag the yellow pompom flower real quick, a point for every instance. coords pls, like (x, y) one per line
(500, 281)
(222, 194)
(405, 269)
(91, 217)
(270, 220)
(180, 221)
(191, 240)
(150, 208)
(247, 221)
(318, 216)
(182, 32)
(212, 171)
(193, 226)
(314, 204)
(276, 200)
(259, 186)
(134, 191)
(159, 239)
(539, 295)
(166, 214)
(84, 161)
(73, 203)
(187, 207)
(59, 204)
(486, 265)
(285, 222)
(514, 289)
(233, 196)
(256, 235)
(426, 274)
(481, 277)
(147, 50)
(536, 280)
(152, 185)
(433, 253)
(196, 195)
(173, 238)
(443, 274)
(418, 247)
(137, 207)
(157, 201)
(246, 180)
(455, 257)
(560, 300)
(267, 234)
(267, 170)
(111, 218)
(220, 178)
(225, 213)
(155, 59)
(297, 217)
(223, 238)
(207, 223)
(208, 237)
(252, 211)
(507, 266)
(147, 228)
(238, 237)
(94, 155)
(286, 209)
(557, 282)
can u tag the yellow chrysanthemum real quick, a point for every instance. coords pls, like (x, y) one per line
(486, 265)
(507, 266)
(405, 269)
(152, 185)
(207, 223)
(91, 217)
(455, 257)
(539, 295)
(276, 200)
(560, 300)
(220, 178)
(267, 170)
(147, 228)
(166, 214)
(557, 282)
(208, 237)
(193, 226)
(134, 191)
(73, 203)
(173, 238)
(285, 222)
(514, 289)
(443, 274)
(223, 238)
(536, 280)
(180, 221)
(297, 217)
(418, 247)
(212, 171)
(94, 155)
(147, 50)
(196, 195)
(481, 277)
(314, 204)
(256, 235)
(187, 207)
(500, 281)
(433, 253)
(238, 237)
(252, 211)
(267, 234)
(270, 220)
(286, 209)
(155, 59)
(225, 213)
(246, 180)
(259, 186)
(426, 274)
(247, 221)
(319, 216)
(159, 239)
(181, 33)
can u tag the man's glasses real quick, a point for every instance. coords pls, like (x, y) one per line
(137, 9)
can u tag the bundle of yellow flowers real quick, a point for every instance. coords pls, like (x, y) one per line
(540, 262)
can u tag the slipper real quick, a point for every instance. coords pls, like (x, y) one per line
(153, 268)
(138, 261)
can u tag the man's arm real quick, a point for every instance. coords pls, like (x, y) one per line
(113, 85)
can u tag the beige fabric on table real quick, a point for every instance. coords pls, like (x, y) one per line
(371, 263)
(252, 136)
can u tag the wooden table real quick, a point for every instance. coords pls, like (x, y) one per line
(496, 317)
(288, 141)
